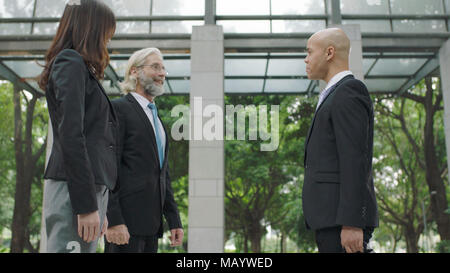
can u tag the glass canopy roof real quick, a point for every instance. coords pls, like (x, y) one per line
(248, 69)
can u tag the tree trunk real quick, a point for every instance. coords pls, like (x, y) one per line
(255, 236)
(435, 183)
(411, 239)
(20, 216)
(245, 243)
(25, 168)
(283, 243)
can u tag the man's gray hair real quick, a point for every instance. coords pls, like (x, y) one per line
(137, 59)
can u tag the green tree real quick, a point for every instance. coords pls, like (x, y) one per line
(410, 162)
(262, 188)
(23, 141)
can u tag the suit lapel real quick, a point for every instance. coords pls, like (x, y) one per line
(147, 124)
(318, 109)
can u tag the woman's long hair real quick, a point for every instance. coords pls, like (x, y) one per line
(85, 27)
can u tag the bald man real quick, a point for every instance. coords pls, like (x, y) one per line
(338, 194)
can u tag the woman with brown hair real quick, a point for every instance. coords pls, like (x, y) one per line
(82, 164)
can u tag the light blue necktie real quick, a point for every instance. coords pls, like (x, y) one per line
(152, 107)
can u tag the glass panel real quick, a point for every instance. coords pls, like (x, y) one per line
(246, 54)
(20, 8)
(286, 67)
(178, 7)
(397, 66)
(384, 85)
(430, 54)
(119, 67)
(308, 26)
(371, 25)
(178, 68)
(110, 89)
(45, 28)
(247, 26)
(34, 84)
(132, 27)
(364, 7)
(239, 7)
(50, 8)
(419, 26)
(15, 28)
(283, 7)
(243, 86)
(316, 89)
(245, 67)
(174, 26)
(25, 69)
(179, 86)
(367, 63)
(129, 8)
(286, 85)
(417, 7)
(447, 6)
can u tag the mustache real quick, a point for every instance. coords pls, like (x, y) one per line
(148, 83)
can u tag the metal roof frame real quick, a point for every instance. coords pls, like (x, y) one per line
(426, 45)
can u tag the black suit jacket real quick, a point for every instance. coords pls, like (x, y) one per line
(145, 193)
(338, 187)
(83, 122)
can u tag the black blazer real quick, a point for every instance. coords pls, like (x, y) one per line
(83, 122)
(145, 192)
(338, 187)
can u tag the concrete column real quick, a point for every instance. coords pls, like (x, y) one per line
(206, 157)
(356, 57)
(43, 243)
(444, 63)
(334, 12)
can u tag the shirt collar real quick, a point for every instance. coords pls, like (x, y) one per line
(143, 101)
(336, 78)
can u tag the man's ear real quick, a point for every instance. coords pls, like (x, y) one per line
(331, 51)
(133, 71)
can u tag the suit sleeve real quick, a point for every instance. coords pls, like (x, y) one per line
(170, 209)
(114, 211)
(350, 117)
(69, 76)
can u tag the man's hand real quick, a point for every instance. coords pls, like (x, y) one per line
(176, 237)
(118, 235)
(89, 226)
(352, 239)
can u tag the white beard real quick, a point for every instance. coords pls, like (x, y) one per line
(150, 88)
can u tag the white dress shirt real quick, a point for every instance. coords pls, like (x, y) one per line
(143, 102)
(335, 79)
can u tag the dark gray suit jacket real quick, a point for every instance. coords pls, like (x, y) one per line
(84, 127)
(145, 192)
(338, 188)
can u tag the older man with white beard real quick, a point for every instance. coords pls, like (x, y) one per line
(135, 211)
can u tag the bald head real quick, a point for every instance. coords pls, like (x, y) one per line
(334, 37)
(328, 53)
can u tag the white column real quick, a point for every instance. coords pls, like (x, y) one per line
(444, 63)
(206, 157)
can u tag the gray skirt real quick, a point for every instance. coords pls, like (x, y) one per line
(61, 223)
